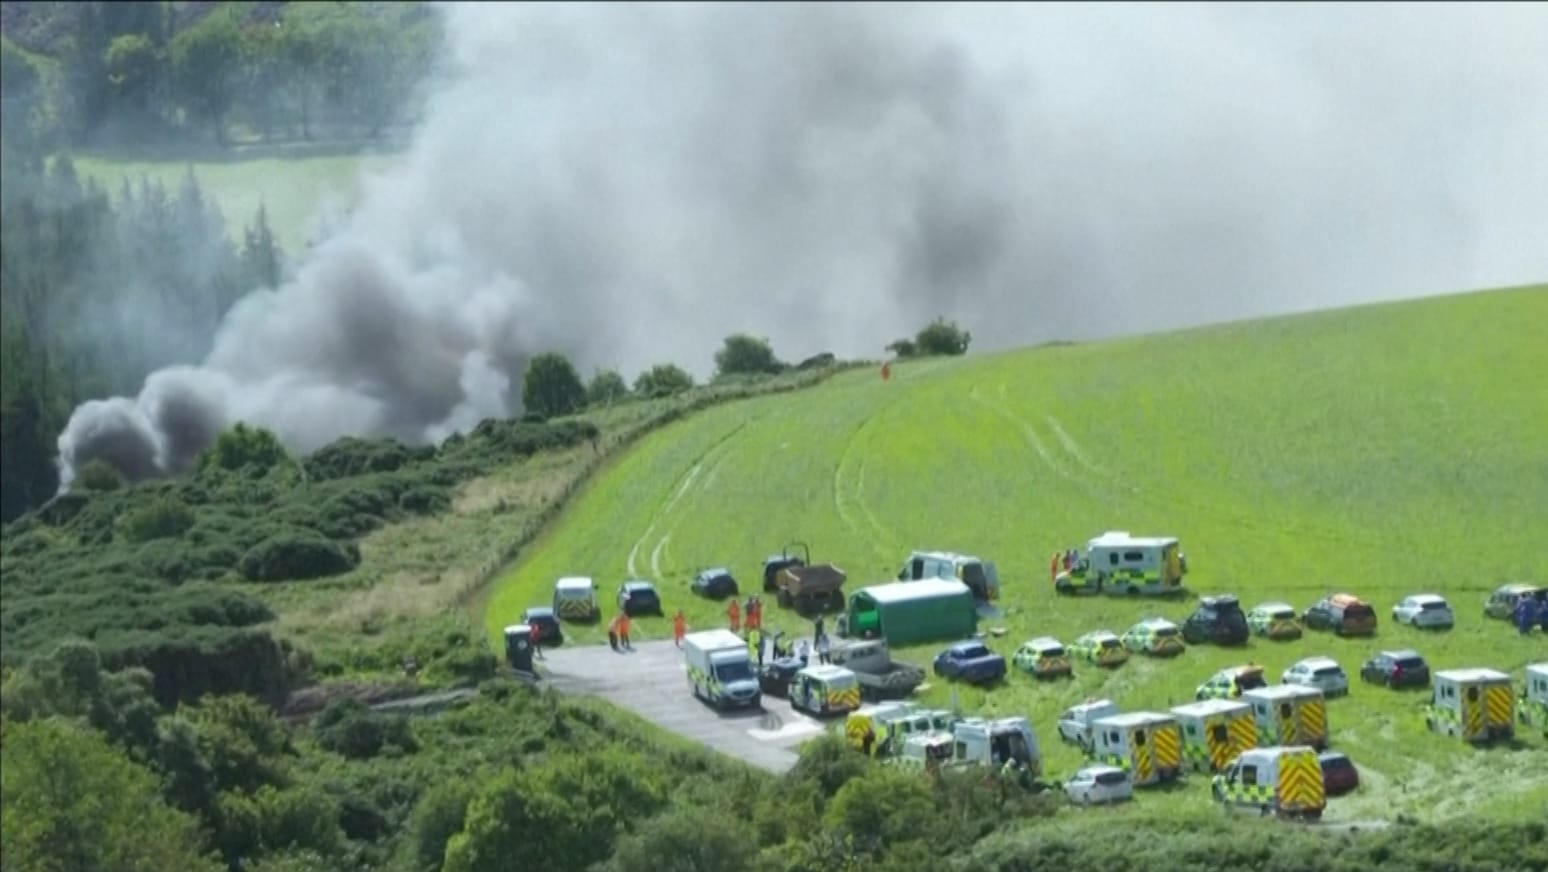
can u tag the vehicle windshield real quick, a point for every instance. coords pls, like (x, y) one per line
(1052, 652)
(1358, 612)
(1432, 606)
(1163, 632)
(1282, 614)
(1335, 763)
(738, 671)
(1110, 778)
(1410, 662)
(973, 651)
(1109, 643)
(1326, 672)
(1251, 681)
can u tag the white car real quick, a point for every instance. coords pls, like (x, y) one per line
(1075, 723)
(1099, 784)
(1323, 673)
(1424, 610)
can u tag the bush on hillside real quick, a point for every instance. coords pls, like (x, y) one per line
(242, 447)
(297, 555)
(350, 728)
(351, 456)
(942, 337)
(606, 387)
(746, 355)
(552, 387)
(663, 380)
(162, 519)
(98, 476)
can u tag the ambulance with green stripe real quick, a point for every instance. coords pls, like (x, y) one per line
(1289, 714)
(1280, 780)
(824, 689)
(720, 669)
(925, 752)
(1476, 705)
(1147, 745)
(1533, 710)
(1119, 563)
(892, 724)
(1215, 732)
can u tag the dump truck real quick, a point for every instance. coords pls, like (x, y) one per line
(881, 677)
(809, 589)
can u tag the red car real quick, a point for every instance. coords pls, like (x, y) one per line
(1339, 775)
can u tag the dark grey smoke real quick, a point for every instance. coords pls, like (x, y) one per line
(628, 184)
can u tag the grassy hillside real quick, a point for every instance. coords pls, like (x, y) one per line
(1383, 450)
(295, 190)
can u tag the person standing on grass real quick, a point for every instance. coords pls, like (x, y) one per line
(679, 627)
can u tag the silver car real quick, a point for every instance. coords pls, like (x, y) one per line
(1099, 784)
(1425, 610)
(1323, 673)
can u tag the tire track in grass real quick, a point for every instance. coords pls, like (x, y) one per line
(683, 486)
(868, 527)
(715, 456)
(1073, 447)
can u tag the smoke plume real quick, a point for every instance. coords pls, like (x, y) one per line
(628, 184)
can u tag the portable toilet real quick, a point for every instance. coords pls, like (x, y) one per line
(1215, 732)
(1289, 714)
(1147, 745)
(518, 647)
(1474, 704)
(1534, 698)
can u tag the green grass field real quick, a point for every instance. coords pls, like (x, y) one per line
(1383, 450)
(294, 189)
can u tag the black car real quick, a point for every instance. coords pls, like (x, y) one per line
(715, 584)
(774, 677)
(1397, 669)
(639, 598)
(550, 633)
(1218, 619)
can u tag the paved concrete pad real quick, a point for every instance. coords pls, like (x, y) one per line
(652, 681)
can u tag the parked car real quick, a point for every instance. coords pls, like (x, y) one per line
(1425, 610)
(1157, 637)
(1323, 673)
(1229, 683)
(1397, 669)
(1044, 657)
(638, 597)
(1275, 620)
(1102, 647)
(971, 662)
(1502, 603)
(1095, 784)
(1344, 614)
(714, 584)
(1075, 723)
(1339, 775)
(550, 632)
(1218, 619)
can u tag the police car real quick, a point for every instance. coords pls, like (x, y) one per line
(1043, 657)
(1229, 683)
(1102, 647)
(1157, 637)
(1275, 620)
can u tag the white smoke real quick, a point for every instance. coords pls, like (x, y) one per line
(628, 184)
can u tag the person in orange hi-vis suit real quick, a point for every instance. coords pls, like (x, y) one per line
(887, 370)
(734, 612)
(623, 631)
(679, 627)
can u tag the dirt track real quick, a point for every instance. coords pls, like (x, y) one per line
(652, 681)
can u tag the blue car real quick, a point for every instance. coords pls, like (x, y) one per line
(970, 662)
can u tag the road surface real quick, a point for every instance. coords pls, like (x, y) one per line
(652, 681)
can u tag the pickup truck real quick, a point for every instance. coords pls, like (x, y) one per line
(1075, 723)
(881, 677)
(970, 662)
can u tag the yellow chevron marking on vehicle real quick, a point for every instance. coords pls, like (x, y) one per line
(1168, 742)
(1300, 782)
(840, 699)
(1244, 735)
(1314, 721)
(855, 730)
(1142, 764)
(1500, 704)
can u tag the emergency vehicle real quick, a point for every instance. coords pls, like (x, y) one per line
(1145, 744)
(1289, 714)
(1215, 732)
(1476, 705)
(824, 689)
(1279, 780)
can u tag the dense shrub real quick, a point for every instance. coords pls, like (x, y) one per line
(350, 456)
(606, 387)
(243, 447)
(98, 476)
(552, 387)
(297, 555)
(350, 728)
(746, 355)
(663, 380)
(942, 337)
(163, 518)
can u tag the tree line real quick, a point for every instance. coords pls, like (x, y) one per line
(100, 74)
